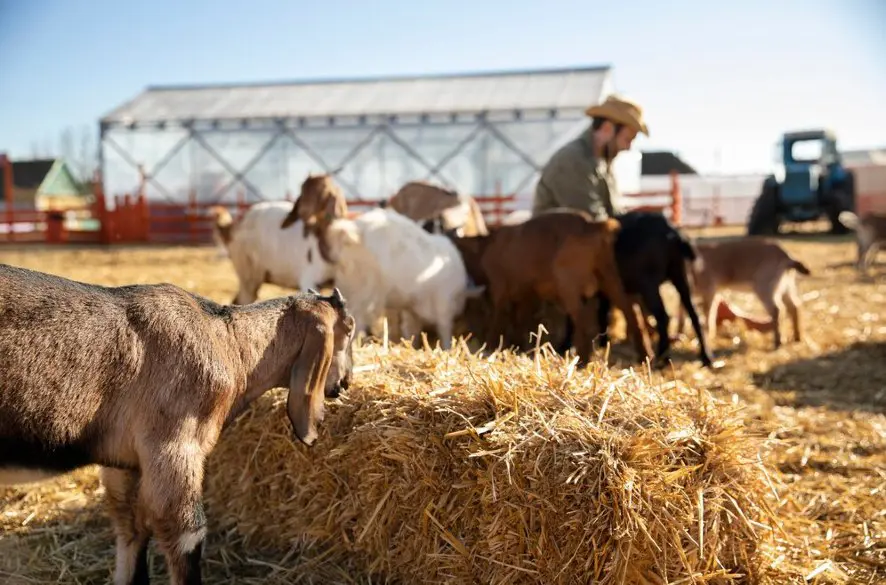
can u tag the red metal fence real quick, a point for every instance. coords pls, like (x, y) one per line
(132, 219)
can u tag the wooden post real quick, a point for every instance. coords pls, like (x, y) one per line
(676, 200)
(100, 210)
(144, 218)
(8, 186)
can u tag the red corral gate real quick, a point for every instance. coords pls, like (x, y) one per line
(131, 218)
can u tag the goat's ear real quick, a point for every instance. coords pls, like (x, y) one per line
(307, 382)
(292, 216)
(335, 208)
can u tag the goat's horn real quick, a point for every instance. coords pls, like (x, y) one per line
(313, 292)
(336, 295)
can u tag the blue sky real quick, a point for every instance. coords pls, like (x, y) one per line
(710, 76)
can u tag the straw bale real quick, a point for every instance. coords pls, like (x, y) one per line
(451, 468)
(821, 404)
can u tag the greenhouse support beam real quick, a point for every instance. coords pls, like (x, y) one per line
(455, 152)
(414, 154)
(241, 175)
(126, 157)
(212, 152)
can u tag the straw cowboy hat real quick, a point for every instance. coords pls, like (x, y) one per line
(622, 111)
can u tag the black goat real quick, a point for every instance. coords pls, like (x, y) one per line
(649, 251)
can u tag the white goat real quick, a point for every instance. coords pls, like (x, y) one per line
(384, 260)
(141, 380)
(262, 252)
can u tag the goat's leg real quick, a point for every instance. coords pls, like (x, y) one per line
(652, 300)
(637, 332)
(791, 301)
(171, 490)
(870, 255)
(682, 285)
(248, 293)
(495, 328)
(568, 335)
(578, 312)
(768, 297)
(121, 489)
(604, 319)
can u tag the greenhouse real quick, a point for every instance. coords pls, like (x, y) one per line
(480, 133)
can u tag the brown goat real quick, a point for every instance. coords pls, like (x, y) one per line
(320, 202)
(758, 265)
(424, 202)
(141, 380)
(562, 256)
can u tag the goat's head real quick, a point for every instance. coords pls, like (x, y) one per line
(341, 369)
(471, 250)
(319, 202)
(323, 367)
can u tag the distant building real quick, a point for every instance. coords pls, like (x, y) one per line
(658, 163)
(45, 183)
(865, 157)
(478, 132)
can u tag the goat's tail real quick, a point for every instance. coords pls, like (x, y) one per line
(848, 219)
(800, 267)
(222, 227)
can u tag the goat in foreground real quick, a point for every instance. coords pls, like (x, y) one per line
(319, 202)
(759, 265)
(650, 251)
(561, 256)
(870, 234)
(141, 380)
(261, 253)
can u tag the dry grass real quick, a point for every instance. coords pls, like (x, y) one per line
(819, 405)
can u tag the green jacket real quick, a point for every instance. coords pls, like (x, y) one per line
(576, 179)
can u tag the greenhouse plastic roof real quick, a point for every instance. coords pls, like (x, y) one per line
(546, 89)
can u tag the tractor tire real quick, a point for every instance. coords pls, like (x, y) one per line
(841, 199)
(764, 220)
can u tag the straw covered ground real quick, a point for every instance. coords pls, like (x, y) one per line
(448, 467)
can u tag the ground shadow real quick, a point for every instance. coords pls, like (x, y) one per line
(75, 544)
(853, 378)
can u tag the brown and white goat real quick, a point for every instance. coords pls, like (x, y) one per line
(320, 202)
(758, 265)
(562, 256)
(141, 380)
(870, 235)
(427, 204)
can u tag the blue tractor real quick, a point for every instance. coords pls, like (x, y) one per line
(810, 182)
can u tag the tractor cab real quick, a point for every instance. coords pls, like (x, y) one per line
(809, 182)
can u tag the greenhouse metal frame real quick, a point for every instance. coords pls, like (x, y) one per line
(480, 133)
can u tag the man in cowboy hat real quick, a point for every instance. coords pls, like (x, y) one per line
(579, 175)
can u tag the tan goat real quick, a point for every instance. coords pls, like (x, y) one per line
(426, 203)
(870, 234)
(754, 264)
(141, 380)
(320, 202)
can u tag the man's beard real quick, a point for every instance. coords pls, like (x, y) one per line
(609, 151)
